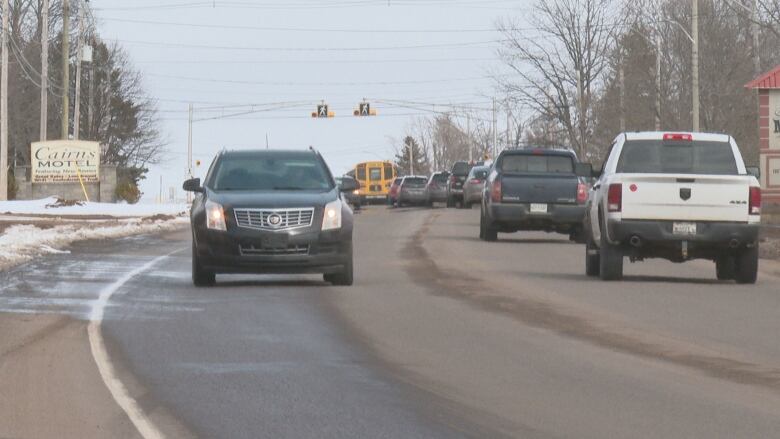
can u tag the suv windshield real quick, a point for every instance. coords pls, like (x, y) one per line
(479, 173)
(679, 157)
(526, 163)
(440, 178)
(267, 172)
(461, 168)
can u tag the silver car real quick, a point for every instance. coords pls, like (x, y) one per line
(436, 190)
(412, 191)
(472, 187)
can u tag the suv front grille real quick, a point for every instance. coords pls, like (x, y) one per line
(250, 250)
(274, 219)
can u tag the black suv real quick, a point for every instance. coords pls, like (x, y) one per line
(458, 174)
(270, 211)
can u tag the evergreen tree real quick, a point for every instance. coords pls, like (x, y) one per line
(402, 159)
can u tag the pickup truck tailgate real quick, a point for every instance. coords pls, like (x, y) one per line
(685, 197)
(529, 188)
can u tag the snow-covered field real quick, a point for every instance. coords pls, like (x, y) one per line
(37, 227)
(54, 207)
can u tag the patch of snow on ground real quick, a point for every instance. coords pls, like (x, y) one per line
(48, 206)
(21, 243)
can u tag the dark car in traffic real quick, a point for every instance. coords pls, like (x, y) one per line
(535, 189)
(436, 189)
(458, 174)
(353, 198)
(412, 191)
(270, 211)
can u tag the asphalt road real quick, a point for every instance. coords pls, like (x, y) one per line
(442, 335)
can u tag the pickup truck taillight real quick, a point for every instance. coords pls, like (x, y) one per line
(475, 181)
(582, 193)
(754, 205)
(453, 178)
(495, 191)
(615, 198)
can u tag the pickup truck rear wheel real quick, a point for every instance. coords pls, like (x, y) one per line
(487, 232)
(746, 265)
(592, 257)
(450, 202)
(610, 259)
(725, 268)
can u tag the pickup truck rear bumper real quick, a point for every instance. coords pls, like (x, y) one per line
(713, 234)
(518, 216)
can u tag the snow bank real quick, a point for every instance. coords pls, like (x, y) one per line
(21, 243)
(54, 207)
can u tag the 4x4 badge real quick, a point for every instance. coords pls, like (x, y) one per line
(685, 194)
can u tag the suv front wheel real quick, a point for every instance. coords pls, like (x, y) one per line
(200, 276)
(344, 277)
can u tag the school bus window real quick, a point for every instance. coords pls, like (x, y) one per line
(389, 172)
(375, 174)
(361, 172)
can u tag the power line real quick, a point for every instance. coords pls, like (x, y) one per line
(299, 84)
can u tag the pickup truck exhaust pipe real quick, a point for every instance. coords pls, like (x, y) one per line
(734, 243)
(635, 241)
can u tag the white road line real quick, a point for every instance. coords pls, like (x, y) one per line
(97, 344)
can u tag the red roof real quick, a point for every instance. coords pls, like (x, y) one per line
(770, 79)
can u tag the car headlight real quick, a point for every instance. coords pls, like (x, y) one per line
(356, 192)
(215, 216)
(331, 218)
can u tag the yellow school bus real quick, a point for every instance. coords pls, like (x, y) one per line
(375, 179)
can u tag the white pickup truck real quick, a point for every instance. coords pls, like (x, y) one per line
(677, 196)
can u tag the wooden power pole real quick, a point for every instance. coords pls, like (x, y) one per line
(65, 68)
(44, 71)
(4, 109)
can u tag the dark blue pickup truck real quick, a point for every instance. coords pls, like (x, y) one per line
(535, 189)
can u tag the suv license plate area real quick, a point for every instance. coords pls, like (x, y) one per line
(276, 240)
(684, 229)
(538, 208)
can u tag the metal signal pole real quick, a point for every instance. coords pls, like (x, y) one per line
(189, 152)
(4, 109)
(44, 71)
(65, 68)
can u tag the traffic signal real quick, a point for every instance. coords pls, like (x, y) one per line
(322, 111)
(364, 109)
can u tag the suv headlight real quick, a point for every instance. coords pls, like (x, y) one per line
(215, 216)
(331, 217)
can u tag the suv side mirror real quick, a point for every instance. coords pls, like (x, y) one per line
(349, 184)
(192, 185)
(583, 170)
(755, 171)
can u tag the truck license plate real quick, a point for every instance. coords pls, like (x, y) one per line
(684, 228)
(538, 208)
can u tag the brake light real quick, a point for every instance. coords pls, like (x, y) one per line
(495, 191)
(678, 136)
(475, 181)
(453, 178)
(615, 198)
(754, 205)
(582, 193)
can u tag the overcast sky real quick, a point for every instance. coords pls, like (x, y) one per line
(269, 53)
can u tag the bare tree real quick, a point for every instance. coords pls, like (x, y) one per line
(557, 73)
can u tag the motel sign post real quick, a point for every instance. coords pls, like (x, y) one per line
(768, 86)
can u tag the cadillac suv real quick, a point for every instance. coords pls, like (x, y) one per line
(270, 211)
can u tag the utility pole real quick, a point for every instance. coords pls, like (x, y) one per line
(411, 159)
(189, 152)
(508, 124)
(657, 81)
(581, 111)
(65, 67)
(79, 59)
(91, 97)
(695, 62)
(495, 129)
(4, 108)
(622, 80)
(755, 31)
(468, 138)
(44, 70)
